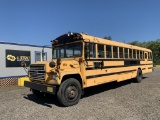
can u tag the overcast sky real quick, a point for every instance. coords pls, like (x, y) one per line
(39, 21)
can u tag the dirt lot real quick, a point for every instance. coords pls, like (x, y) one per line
(113, 101)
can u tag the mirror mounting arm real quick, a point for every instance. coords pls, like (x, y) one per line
(23, 64)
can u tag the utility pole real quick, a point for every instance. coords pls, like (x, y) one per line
(43, 53)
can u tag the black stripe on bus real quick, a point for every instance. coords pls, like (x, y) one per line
(149, 64)
(107, 74)
(150, 68)
(113, 59)
(93, 68)
(143, 68)
(131, 62)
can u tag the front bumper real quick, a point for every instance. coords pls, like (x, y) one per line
(41, 87)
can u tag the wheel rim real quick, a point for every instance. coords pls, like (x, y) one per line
(71, 92)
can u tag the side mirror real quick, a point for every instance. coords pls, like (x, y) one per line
(52, 64)
(23, 64)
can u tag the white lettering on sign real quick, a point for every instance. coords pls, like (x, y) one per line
(23, 58)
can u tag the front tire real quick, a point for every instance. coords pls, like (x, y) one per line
(69, 92)
(139, 76)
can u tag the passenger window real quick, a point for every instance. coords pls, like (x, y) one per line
(121, 52)
(100, 51)
(141, 55)
(137, 54)
(130, 53)
(92, 50)
(108, 51)
(126, 52)
(145, 55)
(134, 54)
(151, 55)
(115, 52)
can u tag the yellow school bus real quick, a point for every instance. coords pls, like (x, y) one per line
(80, 61)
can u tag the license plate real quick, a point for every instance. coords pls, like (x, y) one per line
(49, 89)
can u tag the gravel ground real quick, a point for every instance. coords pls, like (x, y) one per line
(112, 101)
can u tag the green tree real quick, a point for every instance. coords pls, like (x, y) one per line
(136, 43)
(108, 38)
(105, 37)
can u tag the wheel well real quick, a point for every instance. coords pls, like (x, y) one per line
(76, 76)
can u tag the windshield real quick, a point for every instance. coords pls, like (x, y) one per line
(67, 50)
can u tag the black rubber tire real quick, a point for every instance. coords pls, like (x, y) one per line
(69, 92)
(139, 76)
(38, 93)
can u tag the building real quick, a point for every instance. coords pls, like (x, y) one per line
(11, 57)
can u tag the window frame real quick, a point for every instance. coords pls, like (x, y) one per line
(151, 55)
(125, 53)
(64, 46)
(98, 50)
(131, 57)
(120, 52)
(115, 52)
(41, 56)
(145, 55)
(138, 54)
(110, 54)
(134, 55)
(141, 54)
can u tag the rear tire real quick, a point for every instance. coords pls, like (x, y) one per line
(139, 76)
(69, 92)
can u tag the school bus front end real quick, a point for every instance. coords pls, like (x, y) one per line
(47, 76)
(62, 76)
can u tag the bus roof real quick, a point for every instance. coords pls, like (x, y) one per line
(93, 39)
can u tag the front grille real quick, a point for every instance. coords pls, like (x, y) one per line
(37, 67)
(37, 72)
